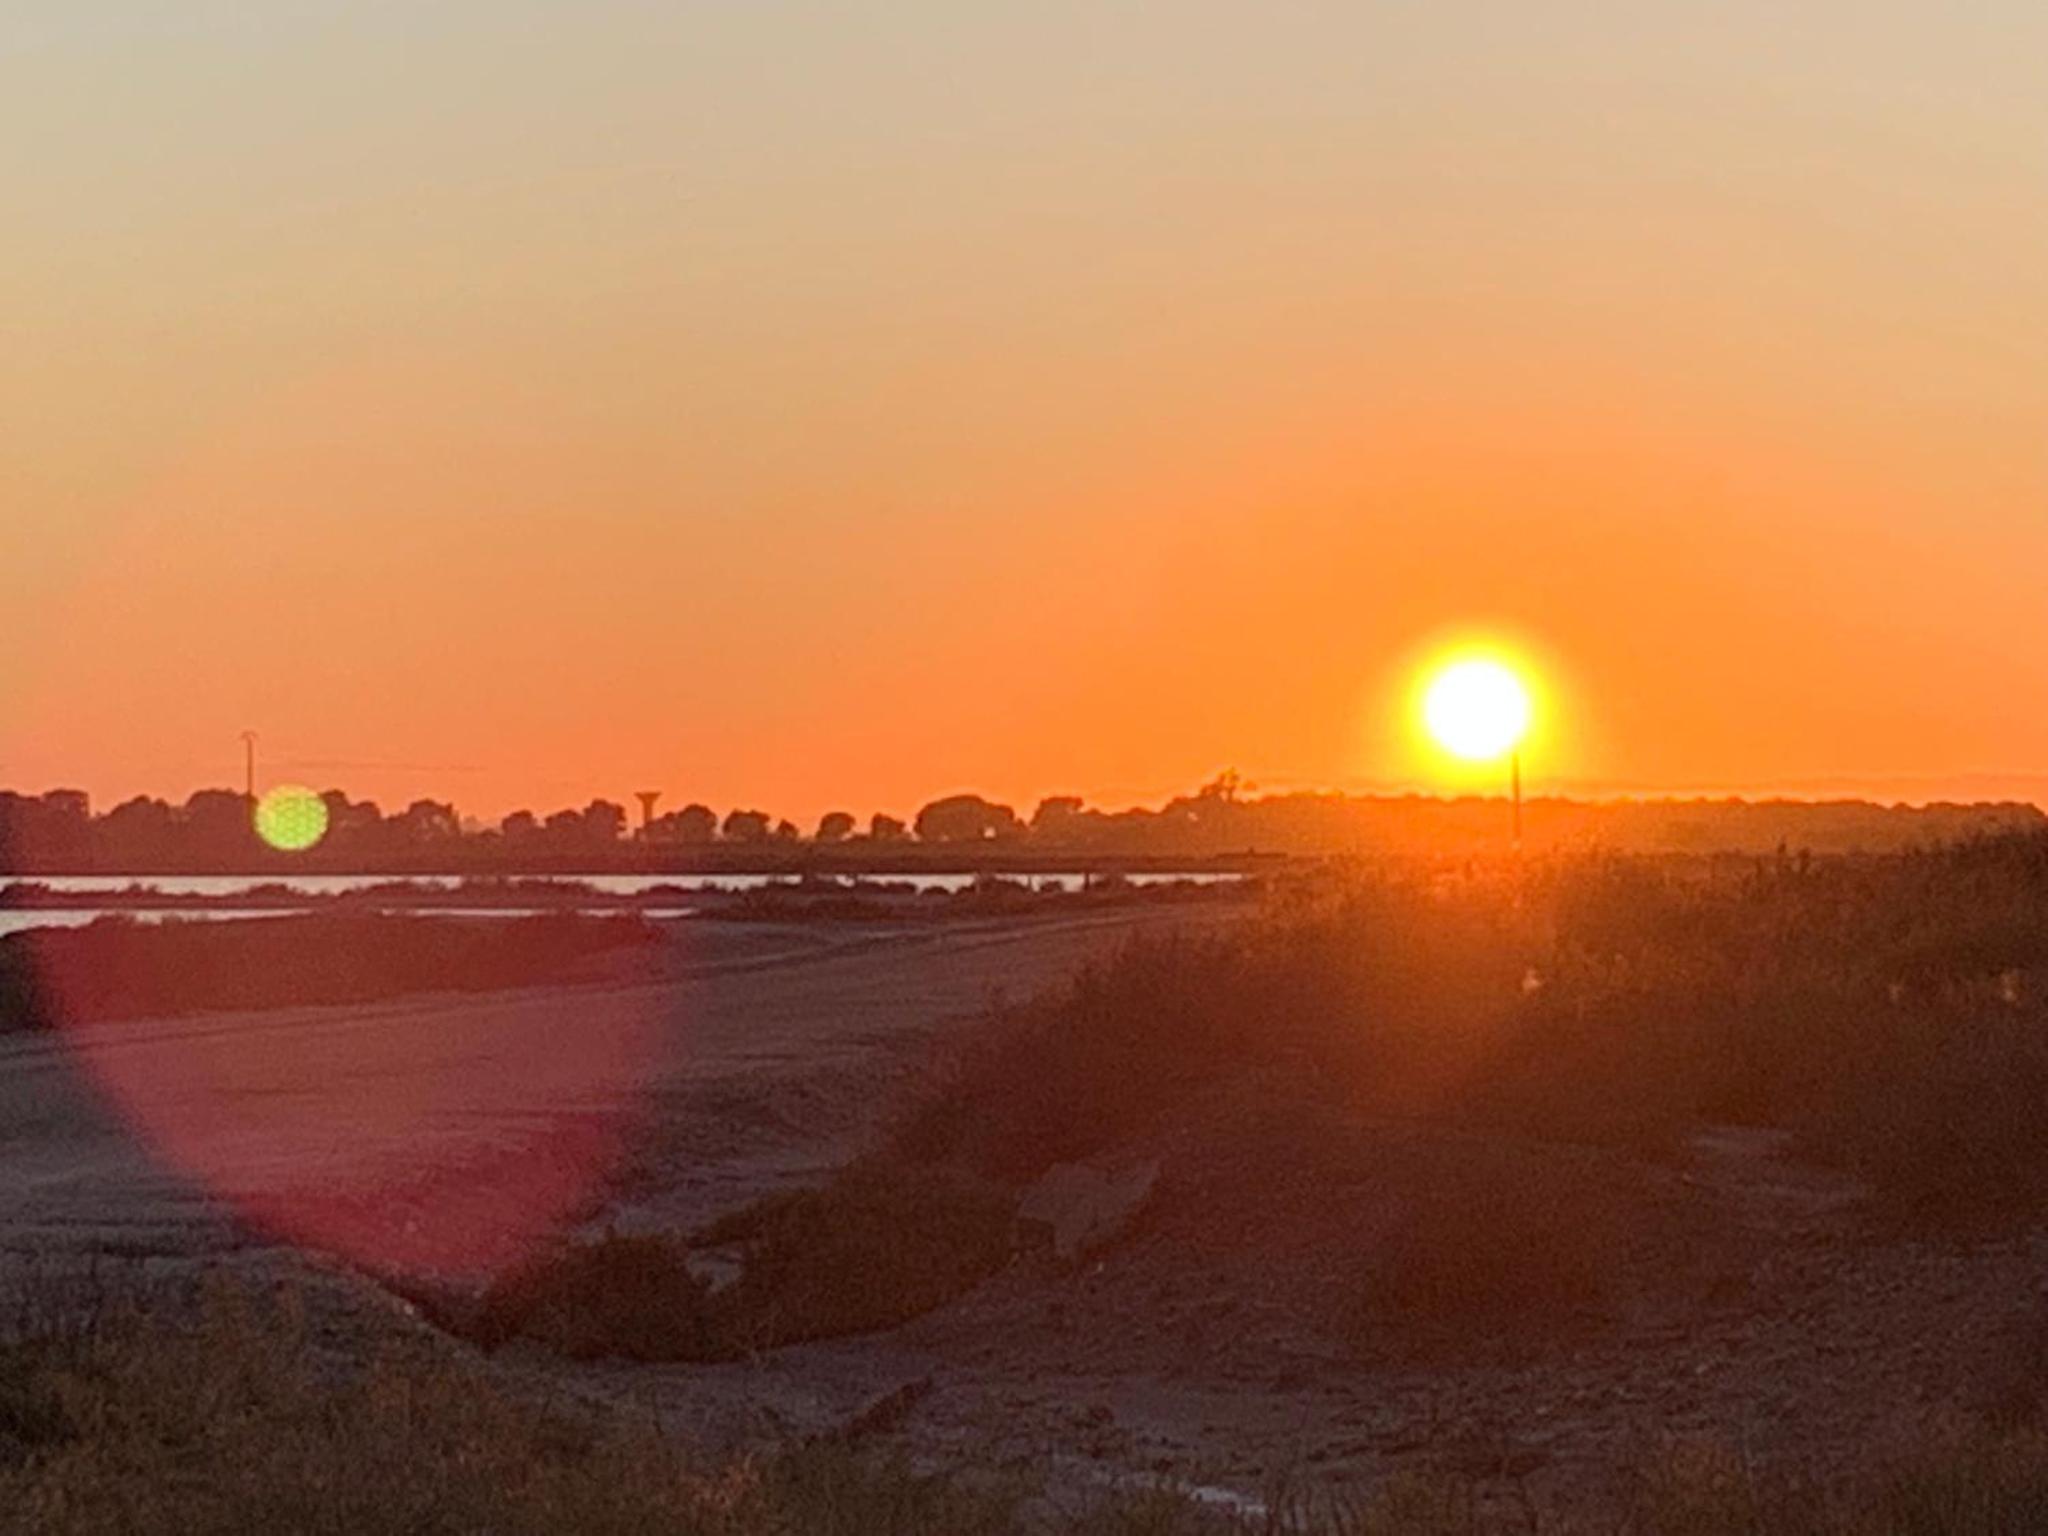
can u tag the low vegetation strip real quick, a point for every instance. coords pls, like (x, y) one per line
(235, 1419)
(120, 969)
(1893, 1012)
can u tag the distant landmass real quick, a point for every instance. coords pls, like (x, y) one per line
(1217, 827)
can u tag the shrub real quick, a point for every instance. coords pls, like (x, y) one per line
(1373, 997)
(633, 1298)
(882, 1243)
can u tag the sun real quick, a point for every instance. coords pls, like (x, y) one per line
(1477, 709)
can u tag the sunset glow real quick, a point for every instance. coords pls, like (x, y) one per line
(1037, 400)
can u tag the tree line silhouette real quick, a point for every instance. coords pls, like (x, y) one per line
(212, 831)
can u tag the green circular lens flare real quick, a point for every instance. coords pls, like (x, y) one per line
(291, 819)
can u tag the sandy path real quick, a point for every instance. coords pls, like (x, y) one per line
(442, 1132)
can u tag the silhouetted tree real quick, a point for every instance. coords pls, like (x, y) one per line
(965, 819)
(692, 824)
(886, 829)
(603, 822)
(787, 831)
(354, 826)
(1226, 786)
(835, 827)
(65, 836)
(746, 827)
(216, 827)
(425, 823)
(138, 833)
(71, 804)
(15, 849)
(54, 829)
(1056, 818)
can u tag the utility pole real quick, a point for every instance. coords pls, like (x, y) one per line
(249, 765)
(1515, 768)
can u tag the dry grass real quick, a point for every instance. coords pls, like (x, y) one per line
(241, 1418)
(233, 1425)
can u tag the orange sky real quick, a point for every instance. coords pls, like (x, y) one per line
(816, 407)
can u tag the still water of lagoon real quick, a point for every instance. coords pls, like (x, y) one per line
(22, 921)
(129, 895)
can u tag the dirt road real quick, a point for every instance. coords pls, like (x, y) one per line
(444, 1133)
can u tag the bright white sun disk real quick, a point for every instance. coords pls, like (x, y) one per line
(1477, 710)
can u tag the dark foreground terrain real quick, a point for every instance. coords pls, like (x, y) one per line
(1607, 1196)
